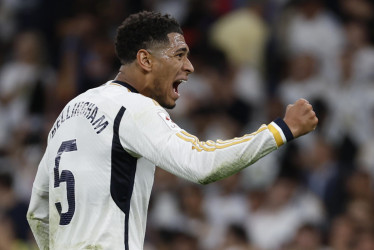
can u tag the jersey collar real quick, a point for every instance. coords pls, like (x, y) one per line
(126, 85)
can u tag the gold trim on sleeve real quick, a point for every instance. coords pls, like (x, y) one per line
(210, 146)
(276, 134)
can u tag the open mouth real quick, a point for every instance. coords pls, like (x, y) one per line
(176, 84)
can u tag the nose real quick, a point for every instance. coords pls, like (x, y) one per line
(188, 67)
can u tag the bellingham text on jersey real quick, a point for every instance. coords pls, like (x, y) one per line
(81, 109)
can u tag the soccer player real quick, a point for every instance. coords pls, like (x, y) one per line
(94, 181)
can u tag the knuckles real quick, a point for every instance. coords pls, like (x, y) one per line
(303, 116)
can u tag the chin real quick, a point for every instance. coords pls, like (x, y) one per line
(168, 106)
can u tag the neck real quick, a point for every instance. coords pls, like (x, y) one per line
(126, 75)
(133, 76)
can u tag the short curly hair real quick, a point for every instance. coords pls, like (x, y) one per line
(141, 31)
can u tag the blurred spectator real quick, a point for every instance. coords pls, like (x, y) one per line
(188, 220)
(201, 15)
(225, 205)
(341, 234)
(285, 209)
(194, 217)
(324, 176)
(308, 25)
(308, 237)
(13, 227)
(87, 57)
(303, 80)
(362, 214)
(357, 41)
(8, 240)
(360, 186)
(26, 83)
(164, 210)
(177, 8)
(359, 9)
(242, 34)
(346, 97)
(236, 239)
(365, 157)
(182, 241)
(8, 23)
(365, 240)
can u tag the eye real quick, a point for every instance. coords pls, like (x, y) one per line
(180, 55)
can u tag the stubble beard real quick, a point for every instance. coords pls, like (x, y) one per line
(160, 97)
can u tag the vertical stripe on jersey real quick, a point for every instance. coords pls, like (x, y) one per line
(122, 174)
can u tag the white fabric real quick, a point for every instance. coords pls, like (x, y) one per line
(145, 132)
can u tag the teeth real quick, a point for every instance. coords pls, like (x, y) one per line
(180, 81)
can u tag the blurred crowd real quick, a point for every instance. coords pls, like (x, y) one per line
(252, 58)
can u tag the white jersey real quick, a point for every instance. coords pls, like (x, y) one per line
(94, 182)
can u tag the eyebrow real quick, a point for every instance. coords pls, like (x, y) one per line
(182, 50)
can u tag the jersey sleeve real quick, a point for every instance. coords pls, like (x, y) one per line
(153, 135)
(38, 212)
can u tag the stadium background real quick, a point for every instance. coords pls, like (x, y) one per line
(251, 58)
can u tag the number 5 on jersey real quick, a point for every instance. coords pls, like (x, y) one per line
(68, 177)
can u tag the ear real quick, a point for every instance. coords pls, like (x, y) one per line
(144, 59)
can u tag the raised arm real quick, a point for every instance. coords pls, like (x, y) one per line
(162, 142)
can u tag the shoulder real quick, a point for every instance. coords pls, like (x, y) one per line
(115, 94)
(132, 101)
(111, 98)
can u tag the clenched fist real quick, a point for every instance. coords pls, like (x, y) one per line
(300, 118)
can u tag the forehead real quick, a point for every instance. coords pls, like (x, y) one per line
(176, 42)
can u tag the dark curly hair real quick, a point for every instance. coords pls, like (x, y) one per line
(141, 31)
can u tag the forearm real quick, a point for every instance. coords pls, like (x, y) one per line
(206, 162)
(162, 142)
(230, 160)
